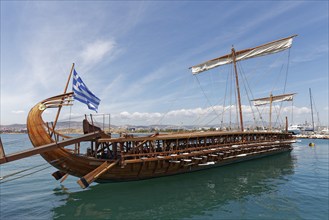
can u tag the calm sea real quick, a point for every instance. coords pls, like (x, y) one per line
(286, 186)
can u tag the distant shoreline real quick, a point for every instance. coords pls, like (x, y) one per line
(299, 136)
(312, 136)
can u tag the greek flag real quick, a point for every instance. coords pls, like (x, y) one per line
(83, 94)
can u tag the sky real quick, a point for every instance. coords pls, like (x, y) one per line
(135, 56)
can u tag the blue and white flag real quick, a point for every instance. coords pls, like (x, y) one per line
(83, 94)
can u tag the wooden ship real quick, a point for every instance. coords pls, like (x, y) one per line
(129, 157)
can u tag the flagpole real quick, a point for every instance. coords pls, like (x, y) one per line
(60, 106)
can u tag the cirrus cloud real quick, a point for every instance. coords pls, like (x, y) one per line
(18, 111)
(96, 51)
(199, 115)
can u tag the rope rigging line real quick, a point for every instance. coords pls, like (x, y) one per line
(214, 110)
(19, 177)
(172, 103)
(237, 121)
(21, 171)
(231, 88)
(246, 85)
(209, 103)
(252, 95)
(209, 110)
(280, 119)
(317, 113)
(198, 120)
(70, 117)
(2, 179)
(292, 112)
(226, 87)
(284, 88)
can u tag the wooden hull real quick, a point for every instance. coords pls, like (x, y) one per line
(188, 152)
(136, 170)
(140, 171)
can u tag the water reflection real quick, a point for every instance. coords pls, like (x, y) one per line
(180, 196)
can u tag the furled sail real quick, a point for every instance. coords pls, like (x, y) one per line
(271, 99)
(265, 49)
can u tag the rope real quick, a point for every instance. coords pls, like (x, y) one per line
(19, 177)
(226, 87)
(237, 120)
(246, 85)
(2, 179)
(231, 87)
(317, 113)
(70, 117)
(292, 112)
(209, 103)
(22, 171)
(284, 88)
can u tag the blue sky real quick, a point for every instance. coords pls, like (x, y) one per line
(135, 56)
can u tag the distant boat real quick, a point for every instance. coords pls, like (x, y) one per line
(325, 131)
(295, 129)
(134, 158)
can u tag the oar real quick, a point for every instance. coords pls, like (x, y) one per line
(85, 181)
(58, 174)
(64, 177)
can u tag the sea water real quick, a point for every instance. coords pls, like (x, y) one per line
(285, 186)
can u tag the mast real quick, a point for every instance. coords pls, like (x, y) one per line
(311, 108)
(237, 87)
(235, 56)
(286, 124)
(60, 106)
(271, 100)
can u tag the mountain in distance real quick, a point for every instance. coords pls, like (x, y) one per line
(78, 126)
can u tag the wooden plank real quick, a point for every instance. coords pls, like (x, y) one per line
(85, 181)
(58, 174)
(187, 135)
(2, 151)
(64, 177)
(47, 147)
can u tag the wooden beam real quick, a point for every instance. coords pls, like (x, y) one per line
(64, 177)
(237, 88)
(85, 181)
(60, 107)
(178, 136)
(47, 147)
(2, 152)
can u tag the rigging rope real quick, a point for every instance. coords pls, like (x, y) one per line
(19, 177)
(252, 95)
(172, 103)
(224, 100)
(212, 107)
(2, 179)
(285, 85)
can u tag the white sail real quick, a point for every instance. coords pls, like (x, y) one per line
(268, 100)
(266, 49)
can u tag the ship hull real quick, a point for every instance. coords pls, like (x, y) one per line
(137, 158)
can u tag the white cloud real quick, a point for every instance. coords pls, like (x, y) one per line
(138, 115)
(97, 51)
(199, 115)
(18, 111)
